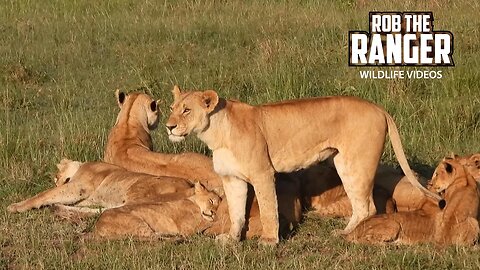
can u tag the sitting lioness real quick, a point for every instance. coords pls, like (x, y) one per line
(251, 143)
(456, 224)
(103, 185)
(181, 217)
(130, 145)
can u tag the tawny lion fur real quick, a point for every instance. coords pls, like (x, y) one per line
(103, 185)
(472, 164)
(180, 217)
(324, 194)
(456, 224)
(251, 143)
(130, 145)
(289, 208)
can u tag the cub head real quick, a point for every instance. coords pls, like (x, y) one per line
(208, 201)
(448, 172)
(66, 170)
(190, 112)
(471, 164)
(139, 106)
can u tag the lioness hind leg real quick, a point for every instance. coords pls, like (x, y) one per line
(65, 194)
(358, 183)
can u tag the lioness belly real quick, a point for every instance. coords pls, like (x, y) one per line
(289, 162)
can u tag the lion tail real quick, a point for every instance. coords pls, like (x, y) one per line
(402, 159)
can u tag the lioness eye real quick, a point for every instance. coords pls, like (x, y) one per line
(186, 111)
(67, 180)
(210, 201)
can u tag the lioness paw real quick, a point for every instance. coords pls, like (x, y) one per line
(13, 208)
(340, 232)
(269, 241)
(225, 238)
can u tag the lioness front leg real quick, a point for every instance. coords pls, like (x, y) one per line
(236, 192)
(264, 186)
(65, 194)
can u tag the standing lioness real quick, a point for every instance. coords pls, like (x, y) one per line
(251, 143)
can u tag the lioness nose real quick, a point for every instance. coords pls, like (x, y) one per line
(171, 127)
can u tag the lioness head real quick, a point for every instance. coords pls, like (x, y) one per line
(447, 172)
(138, 105)
(208, 201)
(66, 169)
(190, 112)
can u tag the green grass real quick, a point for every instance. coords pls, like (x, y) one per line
(60, 62)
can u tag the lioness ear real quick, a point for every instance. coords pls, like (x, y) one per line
(210, 100)
(176, 92)
(120, 97)
(153, 106)
(63, 163)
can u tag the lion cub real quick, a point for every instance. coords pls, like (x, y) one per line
(324, 193)
(181, 217)
(456, 224)
(99, 184)
(130, 145)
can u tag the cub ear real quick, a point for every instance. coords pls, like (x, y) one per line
(176, 92)
(219, 191)
(120, 97)
(199, 187)
(475, 158)
(448, 167)
(210, 100)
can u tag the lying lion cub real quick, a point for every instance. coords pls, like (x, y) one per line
(130, 146)
(324, 193)
(456, 224)
(251, 143)
(99, 184)
(181, 217)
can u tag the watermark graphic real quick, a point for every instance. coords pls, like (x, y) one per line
(401, 39)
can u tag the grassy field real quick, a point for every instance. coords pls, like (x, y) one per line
(60, 62)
